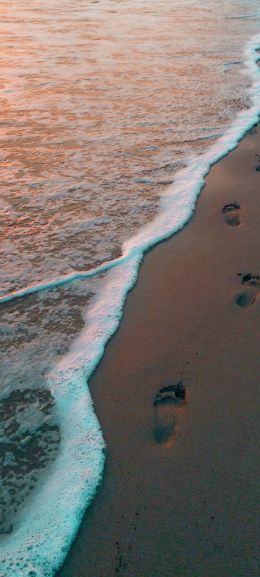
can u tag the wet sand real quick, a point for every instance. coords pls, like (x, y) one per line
(179, 494)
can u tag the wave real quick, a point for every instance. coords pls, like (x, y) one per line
(38, 546)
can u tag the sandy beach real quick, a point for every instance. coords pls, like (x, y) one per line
(186, 506)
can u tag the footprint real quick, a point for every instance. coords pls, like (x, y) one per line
(243, 300)
(231, 212)
(167, 404)
(247, 299)
(250, 279)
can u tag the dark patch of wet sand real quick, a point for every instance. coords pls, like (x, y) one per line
(189, 510)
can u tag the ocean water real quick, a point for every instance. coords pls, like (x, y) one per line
(111, 115)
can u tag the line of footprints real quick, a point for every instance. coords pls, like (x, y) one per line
(170, 400)
(249, 280)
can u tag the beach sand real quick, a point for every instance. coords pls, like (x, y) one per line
(186, 507)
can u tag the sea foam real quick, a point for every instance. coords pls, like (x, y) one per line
(42, 539)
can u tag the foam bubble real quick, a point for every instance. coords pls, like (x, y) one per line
(38, 546)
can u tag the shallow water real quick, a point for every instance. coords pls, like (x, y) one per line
(102, 104)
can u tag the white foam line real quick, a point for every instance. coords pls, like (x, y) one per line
(42, 539)
(60, 281)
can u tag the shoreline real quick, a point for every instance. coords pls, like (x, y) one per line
(188, 509)
(245, 119)
(178, 201)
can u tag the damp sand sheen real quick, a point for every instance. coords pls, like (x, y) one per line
(68, 263)
(180, 485)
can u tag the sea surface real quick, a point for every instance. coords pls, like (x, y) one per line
(111, 114)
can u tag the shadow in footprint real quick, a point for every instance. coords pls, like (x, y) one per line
(167, 406)
(250, 279)
(243, 300)
(231, 213)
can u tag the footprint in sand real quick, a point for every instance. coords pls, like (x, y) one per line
(231, 213)
(247, 299)
(168, 405)
(250, 279)
(258, 167)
